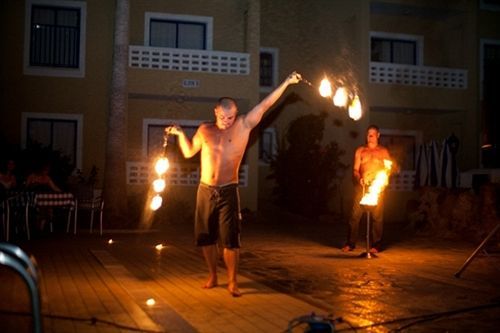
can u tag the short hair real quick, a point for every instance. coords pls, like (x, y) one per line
(372, 126)
(226, 102)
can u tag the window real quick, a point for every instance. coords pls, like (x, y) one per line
(268, 69)
(54, 38)
(395, 48)
(268, 147)
(58, 132)
(153, 137)
(493, 5)
(402, 146)
(178, 31)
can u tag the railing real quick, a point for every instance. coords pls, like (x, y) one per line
(402, 181)
(162, 58)
(138, 173)
(437, 77)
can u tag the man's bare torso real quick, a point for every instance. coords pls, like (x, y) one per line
(372, 161)
(222, 152)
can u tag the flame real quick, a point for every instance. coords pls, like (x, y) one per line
(159, 185)
(150, 302)
(162, 165)
(355, 110)
(159, 247)
(325, 88)
(156, 202)
(340, 98)
(377, 186)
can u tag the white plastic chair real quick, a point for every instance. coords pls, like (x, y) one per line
(95, 204)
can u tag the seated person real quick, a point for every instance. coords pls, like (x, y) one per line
(40, 181)
(7, 176)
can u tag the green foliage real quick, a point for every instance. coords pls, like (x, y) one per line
(305, 170)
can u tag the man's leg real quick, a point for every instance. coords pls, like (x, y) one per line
(356, 213)
(232, 258)
(210, 254)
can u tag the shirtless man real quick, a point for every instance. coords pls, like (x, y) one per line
(222, 145)
(368, 161)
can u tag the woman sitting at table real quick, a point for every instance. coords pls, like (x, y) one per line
(40, 181)
(7, 176)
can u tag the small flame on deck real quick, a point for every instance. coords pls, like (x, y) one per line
(150, 302)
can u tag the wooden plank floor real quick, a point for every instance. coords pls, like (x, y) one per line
(88, 285)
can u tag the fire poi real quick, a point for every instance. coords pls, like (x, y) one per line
(159, 184)
(341, 97)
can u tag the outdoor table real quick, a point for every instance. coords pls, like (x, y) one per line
(57, 200)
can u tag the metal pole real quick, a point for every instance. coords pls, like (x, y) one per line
(483, 243)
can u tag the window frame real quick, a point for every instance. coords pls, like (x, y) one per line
(78, 118)
(55, 71)
(275, 62)
(206, 20)
(274, 145)
(147, 122)
(407, 133)
(418, 40)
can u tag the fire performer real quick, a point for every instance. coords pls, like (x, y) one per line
(222, 145)
(368, 161)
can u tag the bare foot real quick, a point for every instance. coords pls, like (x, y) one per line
(234, 291)
(211, 283)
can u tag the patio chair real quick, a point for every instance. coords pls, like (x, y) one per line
(94, 204)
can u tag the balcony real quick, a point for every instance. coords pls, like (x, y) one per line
(203, 61)
(437, 77)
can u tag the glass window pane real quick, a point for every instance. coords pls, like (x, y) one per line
(404, 52)
(380, 50)
(191, 36)
(266, 69)
(163, 34)
(39, 131)
(64, 139)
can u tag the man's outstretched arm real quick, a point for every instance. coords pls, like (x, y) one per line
(254, 116)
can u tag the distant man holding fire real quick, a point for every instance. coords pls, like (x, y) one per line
(368, 162)
(222, 145)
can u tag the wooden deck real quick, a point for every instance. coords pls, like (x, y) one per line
(88, 285)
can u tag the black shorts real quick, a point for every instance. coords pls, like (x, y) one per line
(218, 216)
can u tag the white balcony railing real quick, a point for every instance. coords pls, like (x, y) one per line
(162, 58)
(438, 77)
(139, 173)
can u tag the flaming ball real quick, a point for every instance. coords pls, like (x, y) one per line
(340, 98)
(159, 185)
(325, 88)
(156, 202)
(162, 166)
(355, 110)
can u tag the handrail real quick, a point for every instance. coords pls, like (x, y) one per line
(15, 258)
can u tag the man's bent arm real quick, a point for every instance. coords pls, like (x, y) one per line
(188, 148)
(254, 116)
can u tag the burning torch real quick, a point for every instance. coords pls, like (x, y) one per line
(341, 98)
(161, 166)
(371, 197)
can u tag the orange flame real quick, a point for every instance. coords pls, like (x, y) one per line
(355, 110)
(377, 186)
(340, 98)
(325, 88)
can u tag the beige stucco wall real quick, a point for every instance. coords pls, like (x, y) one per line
(87, 96)
(448, 33)
(318, 38)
